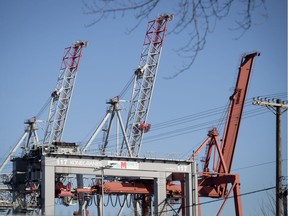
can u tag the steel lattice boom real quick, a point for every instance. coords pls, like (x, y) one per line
(144, 81)
(61, 97)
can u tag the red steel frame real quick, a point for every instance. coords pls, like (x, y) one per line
(214, 182)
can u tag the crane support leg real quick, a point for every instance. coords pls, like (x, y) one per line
(48, 190)
(160, 195)
(219, 182)
(237, 197)
(189, 200)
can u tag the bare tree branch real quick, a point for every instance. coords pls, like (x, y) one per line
(267, 207)
(194, 18)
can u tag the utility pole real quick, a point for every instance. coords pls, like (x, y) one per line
(278, 108)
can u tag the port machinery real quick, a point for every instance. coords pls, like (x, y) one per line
(29, 189)
(21, 190)
(155, 186)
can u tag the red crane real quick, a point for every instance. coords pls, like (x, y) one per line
(214, 181)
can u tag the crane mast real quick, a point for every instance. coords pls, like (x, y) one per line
(144, 80)
(61, 96)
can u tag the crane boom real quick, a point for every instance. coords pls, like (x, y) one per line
(214, 181)
(61, 97)
(235, 111)
(144, 81)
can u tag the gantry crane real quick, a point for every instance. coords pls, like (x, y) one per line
(214, 180)
(25, 181)
(59, 105)
(144, 81)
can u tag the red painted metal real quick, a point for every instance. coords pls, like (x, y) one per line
(62, 190)
(139, 187)
(216, 181)
(236, 107)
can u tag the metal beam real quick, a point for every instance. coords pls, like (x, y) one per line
(158, 169)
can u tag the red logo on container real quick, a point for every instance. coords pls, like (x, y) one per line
(123, 165)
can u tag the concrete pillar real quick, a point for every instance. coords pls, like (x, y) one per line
(160, 195)
(48, 189)
(188, 189)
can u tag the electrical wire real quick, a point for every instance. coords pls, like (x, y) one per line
(255, 165)
(219, 200)
(240, 195)
(194, 117)
(188, 129)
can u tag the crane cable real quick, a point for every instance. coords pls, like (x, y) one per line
(197, 116)
(126, 87)
(43, 108)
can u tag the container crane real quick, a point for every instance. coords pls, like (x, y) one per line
(144, 81)
(214, 181)
(24, 185)
(59, 105)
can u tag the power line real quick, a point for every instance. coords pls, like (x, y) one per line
(240, 195)
(190, 123)
(255, 165)
(188, 129)
(221, 199)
